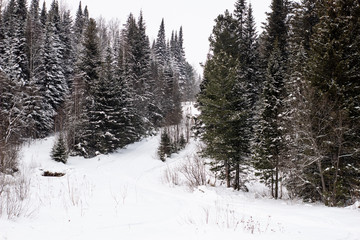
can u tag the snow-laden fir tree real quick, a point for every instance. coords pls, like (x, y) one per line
(161, 53)
(224, 101)
(89, 66)
(12, 124)
(302, 149)
(59, 152)
(271, 146)
(333, 72)
(271, 135)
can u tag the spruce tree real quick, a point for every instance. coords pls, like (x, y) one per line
(14, 46)
(165, 148)
(89, 66)
(270, 157)
(161, 53)
(333, 72)
(34, 36)
(271, 134)
(225, 104)
(302, 148)
(50, 74)
(59, 151)
(12, 124)
(68, 53)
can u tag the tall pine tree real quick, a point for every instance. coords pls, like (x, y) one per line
(271, 135)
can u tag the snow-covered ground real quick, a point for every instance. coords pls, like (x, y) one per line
(125, 196)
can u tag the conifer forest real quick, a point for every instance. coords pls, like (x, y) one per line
(282, 105)
(100, 85)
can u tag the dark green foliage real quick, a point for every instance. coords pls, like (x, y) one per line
(161, 52)
(89, 67)
(334, 74)
(324, 136)
(165, 148)
(270, 133)
(59, 151)
(171, 141)
(225, 97)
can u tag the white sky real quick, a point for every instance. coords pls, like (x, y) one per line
(195, 16)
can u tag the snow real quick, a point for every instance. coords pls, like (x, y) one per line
(124, 196)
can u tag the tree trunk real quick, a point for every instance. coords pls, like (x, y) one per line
(322, 181)
(237, 177)
(227, 173)
(276, 182)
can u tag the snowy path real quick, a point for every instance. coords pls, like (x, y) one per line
(123, 196)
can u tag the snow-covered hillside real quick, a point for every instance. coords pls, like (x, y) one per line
(125, 196)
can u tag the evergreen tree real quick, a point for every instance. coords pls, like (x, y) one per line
(225, 105)
(301, 142)
(78, 29)
(34, 37)
(240, 17)
(12, 124)
(68, 56)
(50, 74)
(43, 15)
(89, 66)
(251, 71)
(134, 77)
(333, 73)
(165, 148)
(143, 72)
(271, 135)
(59, 152)
(161, 54)
(14, 59)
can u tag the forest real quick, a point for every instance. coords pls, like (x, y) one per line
(100, 85)
(286, 103)
(283, 104)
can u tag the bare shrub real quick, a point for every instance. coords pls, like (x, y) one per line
(232, 219)
(171, 176)
(14, 193)
(9, 157)
(22, 187)
(194, 170)
(78, 191)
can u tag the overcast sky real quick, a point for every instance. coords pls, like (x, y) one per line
(195, 16)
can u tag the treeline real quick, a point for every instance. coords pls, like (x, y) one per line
(286, 103)
(101, 85)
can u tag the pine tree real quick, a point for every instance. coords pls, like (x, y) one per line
(50, 74)
(143, 72)
(34, 36)
(271, 147)
(302, 149)
(59, 151)
(161, 53)
(165, 148)
(251, 70)
(89, 66)
(271, 135)
(78, 29)
(68, 53)
(12, 124)
(240, 17)
(43, 15)
(333, 72)
(225, 105)
(14, 59)
(132, 72)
